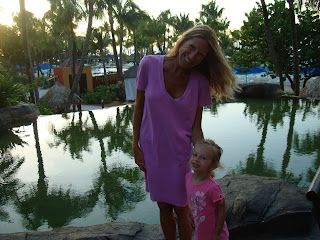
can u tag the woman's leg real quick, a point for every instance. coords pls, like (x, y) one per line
(185, 232)
(168, 223)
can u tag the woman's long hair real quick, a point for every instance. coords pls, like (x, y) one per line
(215, 66)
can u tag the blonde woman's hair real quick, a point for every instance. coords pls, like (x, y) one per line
(215, 66)
(216, 149)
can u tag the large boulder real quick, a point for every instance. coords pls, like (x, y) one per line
(259, 90)
(20, 114)
(311, 90)
(258, 205)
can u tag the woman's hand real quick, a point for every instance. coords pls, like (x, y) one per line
(138, 157)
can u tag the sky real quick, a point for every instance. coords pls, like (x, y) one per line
(234, 10)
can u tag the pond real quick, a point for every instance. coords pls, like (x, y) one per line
(78, 169)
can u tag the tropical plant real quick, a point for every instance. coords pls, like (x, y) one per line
(270, 42)
(23, 24)
(100, 41)
(10, 91)
(83, 56)
(181, 24)
(253, 43)
(211, 15)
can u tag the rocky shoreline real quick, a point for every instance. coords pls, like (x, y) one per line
(257, 208)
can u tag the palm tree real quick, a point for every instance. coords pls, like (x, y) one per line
(211, 15)
(83, 56)
(121, 10)
(35, 92)
(294, 39)
(272, 51)
(64, 15)
(166, 20)
(134, 20)
(182, 23)
(101, 40)
(111, 13)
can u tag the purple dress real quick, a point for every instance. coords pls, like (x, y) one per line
(166, 128)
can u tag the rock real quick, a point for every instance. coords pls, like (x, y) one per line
(112, 231)
(18, 115)
(258, 205)
(259, 90)
(311, 90)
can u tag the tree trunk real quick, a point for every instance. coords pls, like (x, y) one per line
(272, 51)
(83, 57)
(294, 38)
(135, 48)
(106, 79)
(120, 53)
(115, 54)
(35, 93)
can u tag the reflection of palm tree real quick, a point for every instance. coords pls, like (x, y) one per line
(119, 133)
(256, 165)
(76, 137)
(56, 207)
(287, 154)
(308, 145)
(9, 166)
(121, 187)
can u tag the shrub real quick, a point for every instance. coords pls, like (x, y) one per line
(106, 93)
(45, 110)
(10, 92)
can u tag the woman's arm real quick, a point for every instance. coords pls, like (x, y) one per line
(137, 119)
(221, 211)
(197, 133)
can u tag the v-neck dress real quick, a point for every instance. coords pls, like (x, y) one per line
(166, 128)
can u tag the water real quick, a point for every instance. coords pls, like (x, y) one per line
(78, 169)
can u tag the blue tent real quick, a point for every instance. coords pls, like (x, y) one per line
(246, 71)
(315, 71)
(19, 67)
(44, 67)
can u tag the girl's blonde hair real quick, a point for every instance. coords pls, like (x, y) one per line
(222, 80)
(216, 149)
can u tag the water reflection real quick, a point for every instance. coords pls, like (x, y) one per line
(9, 165)
(72, 170)
(272, 114)
(118, 187)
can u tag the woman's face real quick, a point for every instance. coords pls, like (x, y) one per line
(192, 52)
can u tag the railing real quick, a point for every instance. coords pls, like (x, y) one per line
(99, 80)
(313, 195)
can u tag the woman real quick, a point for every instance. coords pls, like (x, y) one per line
(171, 92)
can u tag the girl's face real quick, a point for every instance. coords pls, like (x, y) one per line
(202, 159)
(192, 52)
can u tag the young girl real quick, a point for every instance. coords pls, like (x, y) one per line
(207, 207)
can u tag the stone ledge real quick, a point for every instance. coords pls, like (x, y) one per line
(18, 115)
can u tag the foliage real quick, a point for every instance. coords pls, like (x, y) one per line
(11, 49)
(253, 49)
(10, 91)
(44, 110)
(211, 15)
(108, 94)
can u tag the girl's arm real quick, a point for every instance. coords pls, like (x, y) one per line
(190, 220)
(137, 119)
(197, 133)
(221, 211)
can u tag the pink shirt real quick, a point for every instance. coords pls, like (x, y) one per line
(201, 199)
(166, 128)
